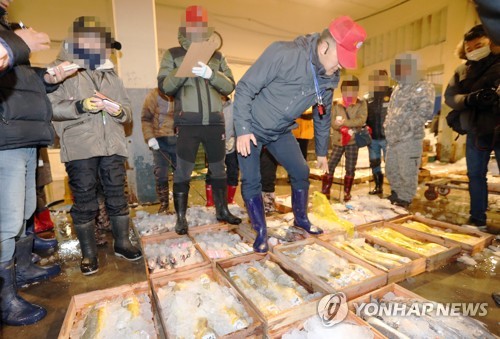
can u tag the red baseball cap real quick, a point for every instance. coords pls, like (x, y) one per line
(349, 37)
(196, 14)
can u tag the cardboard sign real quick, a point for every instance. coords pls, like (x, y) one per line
(198, 51)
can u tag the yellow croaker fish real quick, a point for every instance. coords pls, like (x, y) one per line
(236, 319)
(392, 236)
(465, 238)
(94, 322)
(203, 331)
(133, 305)
(379, 259)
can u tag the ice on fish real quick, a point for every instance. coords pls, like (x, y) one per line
(212, 308)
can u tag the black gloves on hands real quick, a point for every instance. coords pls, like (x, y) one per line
(481, 98)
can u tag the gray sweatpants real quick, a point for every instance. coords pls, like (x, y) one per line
(401, 167)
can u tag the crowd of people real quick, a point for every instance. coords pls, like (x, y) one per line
(87, 106)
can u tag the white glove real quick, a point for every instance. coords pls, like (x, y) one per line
(203, 71)
(153, 144)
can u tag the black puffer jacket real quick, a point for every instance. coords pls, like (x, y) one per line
(25, 110)
(378, 103)
(470, 77)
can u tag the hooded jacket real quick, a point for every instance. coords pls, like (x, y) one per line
(25, 110)
(279, 87)
(197, 100)
(86, 135)
(470, 77)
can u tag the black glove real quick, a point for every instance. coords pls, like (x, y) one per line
(481, 98)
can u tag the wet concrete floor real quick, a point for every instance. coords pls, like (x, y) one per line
(453, 283)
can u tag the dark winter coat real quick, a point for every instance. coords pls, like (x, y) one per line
(279, 87)
(197, 100)
(25, 110)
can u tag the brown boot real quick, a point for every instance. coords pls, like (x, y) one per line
(326, 180)
(162, 192)
(347, 187)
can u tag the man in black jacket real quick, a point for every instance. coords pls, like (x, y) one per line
(378, 102)
(25, 115)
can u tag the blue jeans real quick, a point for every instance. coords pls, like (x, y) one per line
(164, 159)
(17, 196)
(375, 150)
(477, 154)
(287, 152)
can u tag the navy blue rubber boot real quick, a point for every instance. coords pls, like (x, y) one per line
(26, 271)
(14, 310)
(299, 207)
(255, 208)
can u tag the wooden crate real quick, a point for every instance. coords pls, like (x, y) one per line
(413, 268)
(255, 330)
(377, 294)
(433, 262)
(286, 317)
(351, 317)
(280, 207)
(483, 239)
(162, 238)
(220, 227)
(80, 301)
(352, 291)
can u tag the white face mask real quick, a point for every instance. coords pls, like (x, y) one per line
(478, 54)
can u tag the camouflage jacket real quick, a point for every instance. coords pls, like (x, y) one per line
(411, 105)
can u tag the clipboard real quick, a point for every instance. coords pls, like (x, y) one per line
(198, 51)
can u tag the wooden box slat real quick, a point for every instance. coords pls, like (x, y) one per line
(433, 262)
(255, 330)
(167, 236)
(483, 239)
(286, 317)
(352, 291)
(80, 301)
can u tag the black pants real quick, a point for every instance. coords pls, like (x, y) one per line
(188, 141)
(83, 176)
(268, 168)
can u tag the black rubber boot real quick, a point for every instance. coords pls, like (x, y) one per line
(123, 247)
(162, 192)
(14, 310)
(86, 237)
(378, 178)
(26, 271)
(180, 204)
(255, 208)
(222, 212)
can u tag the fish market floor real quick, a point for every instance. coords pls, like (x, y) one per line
(455, 282)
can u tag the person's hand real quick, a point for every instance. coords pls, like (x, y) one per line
(36, 41)
(93, 105)
(243, 144)
(4, 58)
(339, 122)
(153, 144)
(481, 98)
(59, 73)
(203, 71)
(322, 163)
(113, 110)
